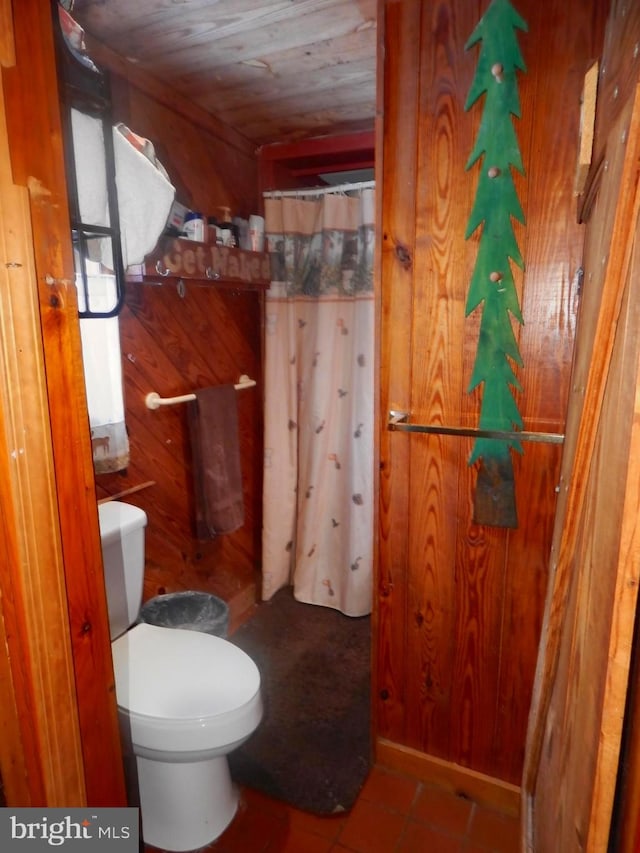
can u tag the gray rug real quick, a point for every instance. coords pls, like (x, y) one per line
(312, 748)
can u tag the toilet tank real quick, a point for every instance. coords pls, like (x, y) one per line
(122, 535)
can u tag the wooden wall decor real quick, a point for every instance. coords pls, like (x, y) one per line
(492, 284)
(188, 259)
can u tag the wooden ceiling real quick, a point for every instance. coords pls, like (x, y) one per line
(275, 70)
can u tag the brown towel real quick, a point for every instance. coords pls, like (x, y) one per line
(217, 474)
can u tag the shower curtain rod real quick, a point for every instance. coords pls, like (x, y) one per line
(339, 188)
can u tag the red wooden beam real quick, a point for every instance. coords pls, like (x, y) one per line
(340, 166)
(285, 165)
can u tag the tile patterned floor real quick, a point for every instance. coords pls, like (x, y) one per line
(393, 814)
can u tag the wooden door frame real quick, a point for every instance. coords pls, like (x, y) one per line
(582, 436)
(58, 713)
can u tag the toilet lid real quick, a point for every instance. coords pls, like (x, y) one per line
(179, 674)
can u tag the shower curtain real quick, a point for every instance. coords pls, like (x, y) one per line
(318, 500)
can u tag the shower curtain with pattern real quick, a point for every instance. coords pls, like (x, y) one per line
(318, 502)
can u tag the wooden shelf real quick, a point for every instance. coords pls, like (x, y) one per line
(177, 258)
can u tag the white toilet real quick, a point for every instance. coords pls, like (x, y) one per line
(185, 700)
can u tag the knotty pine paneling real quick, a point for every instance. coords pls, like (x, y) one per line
(174, 345)
(440, 605)
(551, 243)
(460, 605)
(398, 190)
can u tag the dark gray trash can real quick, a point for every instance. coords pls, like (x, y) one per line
(191, 610)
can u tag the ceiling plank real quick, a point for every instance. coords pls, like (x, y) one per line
(281, 70)
(275, 69)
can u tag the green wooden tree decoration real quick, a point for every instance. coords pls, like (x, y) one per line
(492, 284)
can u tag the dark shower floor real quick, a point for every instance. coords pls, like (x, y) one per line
(312, 749)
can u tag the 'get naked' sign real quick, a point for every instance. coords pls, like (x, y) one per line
(185, 258)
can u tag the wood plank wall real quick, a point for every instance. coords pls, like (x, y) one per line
(460, 606)
(175, 344)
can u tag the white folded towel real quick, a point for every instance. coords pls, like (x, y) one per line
(145, 195)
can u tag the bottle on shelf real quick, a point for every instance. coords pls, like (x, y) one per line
(194, 226)
(226, 228)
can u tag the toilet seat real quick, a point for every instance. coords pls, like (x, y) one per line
(184, 690)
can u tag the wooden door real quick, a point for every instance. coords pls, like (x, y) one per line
(573, 747)
(459, 605)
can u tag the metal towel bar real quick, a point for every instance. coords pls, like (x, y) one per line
(398, 421)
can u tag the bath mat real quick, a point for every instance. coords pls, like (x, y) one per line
(312, 748)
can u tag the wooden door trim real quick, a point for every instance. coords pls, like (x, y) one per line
(568, 522)
(33, 586)
(620, 640)
(462, 781)
(53, 595)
